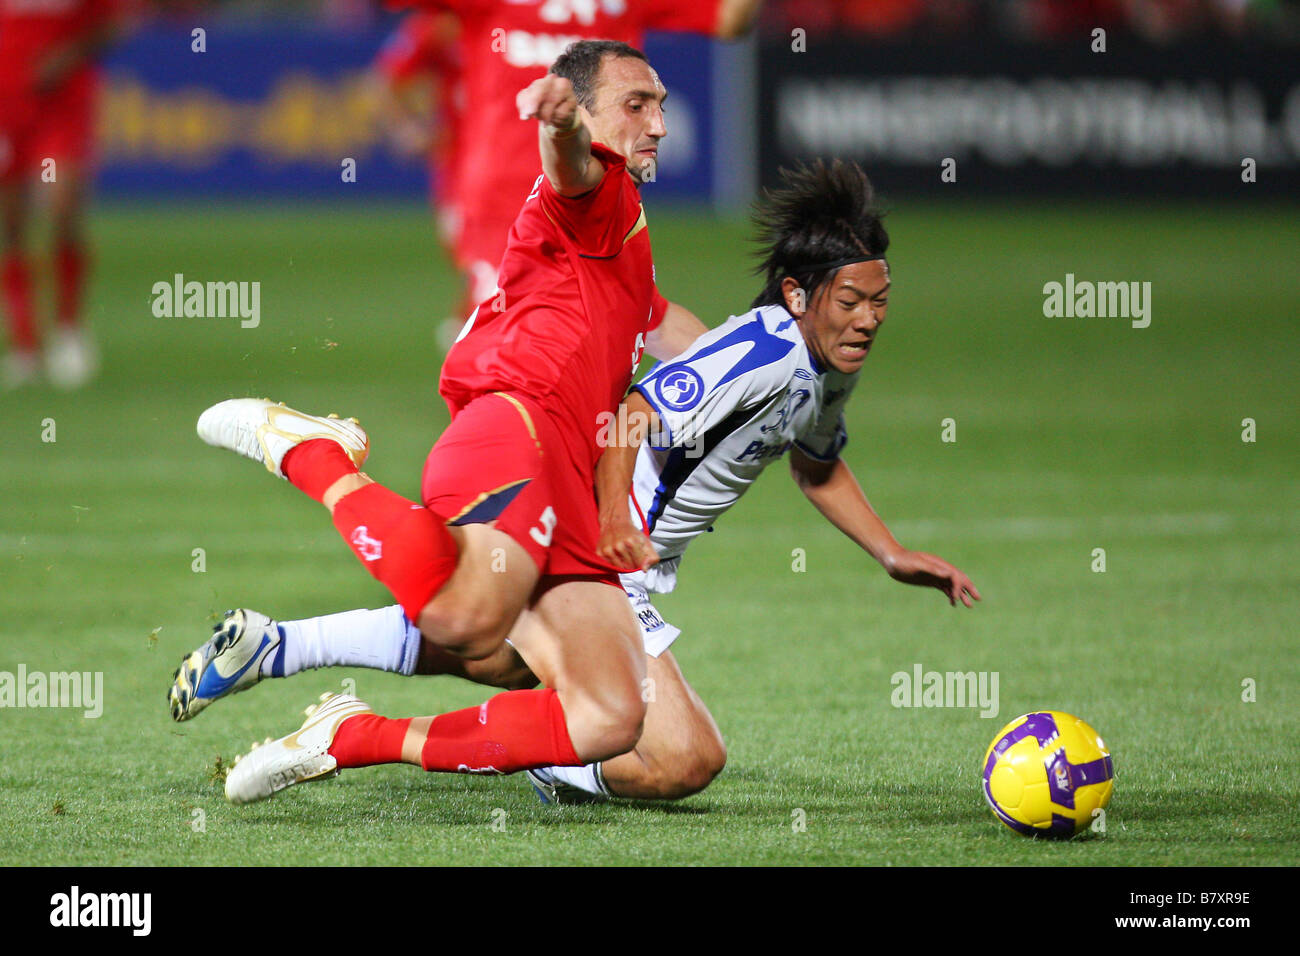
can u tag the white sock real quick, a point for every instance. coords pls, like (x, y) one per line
(382, 639)
(587, 778)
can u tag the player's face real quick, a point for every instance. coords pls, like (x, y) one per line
(629, 113)
(841, 322)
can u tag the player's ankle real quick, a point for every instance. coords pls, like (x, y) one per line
(321, 467)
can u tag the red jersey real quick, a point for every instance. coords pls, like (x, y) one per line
(31, 29)
(577, 298)
(505, 45)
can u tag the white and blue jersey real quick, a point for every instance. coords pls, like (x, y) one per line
(734, 402)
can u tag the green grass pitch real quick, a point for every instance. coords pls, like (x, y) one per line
(1072, 435)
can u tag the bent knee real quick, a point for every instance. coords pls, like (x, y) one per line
(604, 729)
(695, 771)
(470, 631)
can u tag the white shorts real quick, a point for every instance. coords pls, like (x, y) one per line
(656, 634)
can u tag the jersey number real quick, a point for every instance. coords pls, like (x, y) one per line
(543, 535)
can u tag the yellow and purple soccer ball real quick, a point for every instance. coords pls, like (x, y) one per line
(1047, 773)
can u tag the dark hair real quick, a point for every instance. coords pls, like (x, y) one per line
(580, 65)
(818, 214)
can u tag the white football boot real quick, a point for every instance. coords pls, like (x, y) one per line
(264, 431)
(229, 662)
(71, 359)
(297, 758)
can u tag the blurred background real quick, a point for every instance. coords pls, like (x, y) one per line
(1021, 93)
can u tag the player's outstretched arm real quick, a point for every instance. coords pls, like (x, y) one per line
(563, 138)
(835, 492)
(622, 543)
(675, 333)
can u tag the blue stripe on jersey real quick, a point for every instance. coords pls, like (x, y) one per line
(679, 467)
(767, 348)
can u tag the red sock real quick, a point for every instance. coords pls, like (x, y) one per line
(17, 282)
(368, 739)
(315, 465)
(404, 545)
(517, 730)
(70, 275)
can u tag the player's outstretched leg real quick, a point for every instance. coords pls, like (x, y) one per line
(299, 757)
(232, 660)
(402, 544)
(248, 646)
(509, 732)
(266, 431)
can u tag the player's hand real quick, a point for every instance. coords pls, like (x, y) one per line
(549, 100)
(624, 545)
(928, 570)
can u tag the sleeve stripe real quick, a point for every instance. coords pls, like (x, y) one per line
(839, 447)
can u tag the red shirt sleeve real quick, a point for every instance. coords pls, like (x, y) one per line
(674, 16)
(597, 221)
(658, 306)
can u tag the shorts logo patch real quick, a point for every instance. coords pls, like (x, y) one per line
(679, 389)
(650, 619)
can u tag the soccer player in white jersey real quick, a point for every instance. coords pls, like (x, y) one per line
(773, 380)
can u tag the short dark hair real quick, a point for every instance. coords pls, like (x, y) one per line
(818, 214)
(580, 65)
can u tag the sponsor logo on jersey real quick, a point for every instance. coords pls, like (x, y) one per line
(525, 50)
(757, 451)
(679, 389)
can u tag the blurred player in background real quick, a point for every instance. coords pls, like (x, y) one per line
(49, 86)
(418, 72)
(502, 47)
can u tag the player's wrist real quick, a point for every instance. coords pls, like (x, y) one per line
(564, 130)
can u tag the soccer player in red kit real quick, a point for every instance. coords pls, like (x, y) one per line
(504, 46)
(508, 520)
(49, 85)
(418, 71)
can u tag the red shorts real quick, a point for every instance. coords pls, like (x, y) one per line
(503, 459)
(60, 127)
